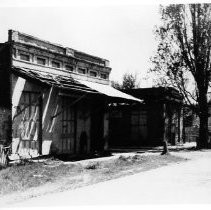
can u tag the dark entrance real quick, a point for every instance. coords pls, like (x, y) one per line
(97, 125)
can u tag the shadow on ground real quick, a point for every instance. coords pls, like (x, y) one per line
(142, 150)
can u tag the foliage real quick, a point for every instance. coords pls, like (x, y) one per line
(129, 81)
(183, 55)
(116, 85)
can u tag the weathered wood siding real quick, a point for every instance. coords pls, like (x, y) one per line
(62, 123)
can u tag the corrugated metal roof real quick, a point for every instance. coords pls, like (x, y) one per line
(68, 83)
(62, 82)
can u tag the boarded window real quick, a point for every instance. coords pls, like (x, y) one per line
(81, 71)
(41, 61)
(69, 68)
(93, 73)
(55, 64)
(24, 57)
(103, 76)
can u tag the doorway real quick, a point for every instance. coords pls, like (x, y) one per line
(68, 123)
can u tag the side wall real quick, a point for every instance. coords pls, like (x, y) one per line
(5, 100)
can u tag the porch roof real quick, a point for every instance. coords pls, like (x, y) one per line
(108, 91)
(68, 83)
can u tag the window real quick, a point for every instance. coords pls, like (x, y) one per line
(103, 76)
(69, 68)
(55, 64)
(93, 73)
(41, 61)
(81, 71)
(24, 57)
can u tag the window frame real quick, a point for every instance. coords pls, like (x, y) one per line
(70, 67)
(82, 69)
(41, 58)
(95, 72)
(106, 76)
(26, 55)
(56, 62)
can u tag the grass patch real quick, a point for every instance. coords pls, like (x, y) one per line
(28, 174)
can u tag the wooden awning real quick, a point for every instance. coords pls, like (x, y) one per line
(68, 83)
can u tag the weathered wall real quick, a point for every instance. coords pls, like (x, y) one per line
(24, 117)
(27, 145)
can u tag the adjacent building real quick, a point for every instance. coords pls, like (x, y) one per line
(158, 118)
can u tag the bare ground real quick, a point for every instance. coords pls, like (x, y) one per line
(31, 179)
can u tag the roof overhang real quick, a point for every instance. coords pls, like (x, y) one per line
(109, 91)
(68, 83)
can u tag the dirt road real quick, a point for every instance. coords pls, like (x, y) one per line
(186, 182)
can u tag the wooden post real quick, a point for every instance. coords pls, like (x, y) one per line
(165, 130)
(179, 117)
(40, 127)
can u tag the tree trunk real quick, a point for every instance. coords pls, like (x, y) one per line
(165, 148)
(202, 141)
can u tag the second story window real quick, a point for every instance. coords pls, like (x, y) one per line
(93, 73)
(24, 57)
(104, 76)
(69, 68)
(41, 61)
(81, 71)
(55, 64)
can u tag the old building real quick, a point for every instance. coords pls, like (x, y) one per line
(158, 118)
(53, 99)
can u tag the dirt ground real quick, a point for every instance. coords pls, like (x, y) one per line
(32, 179)
(182, 182)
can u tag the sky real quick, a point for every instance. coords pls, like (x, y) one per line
(120, 31)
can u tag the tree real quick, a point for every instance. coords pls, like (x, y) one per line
(116, 85)
(182, 59)
(129, 81)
